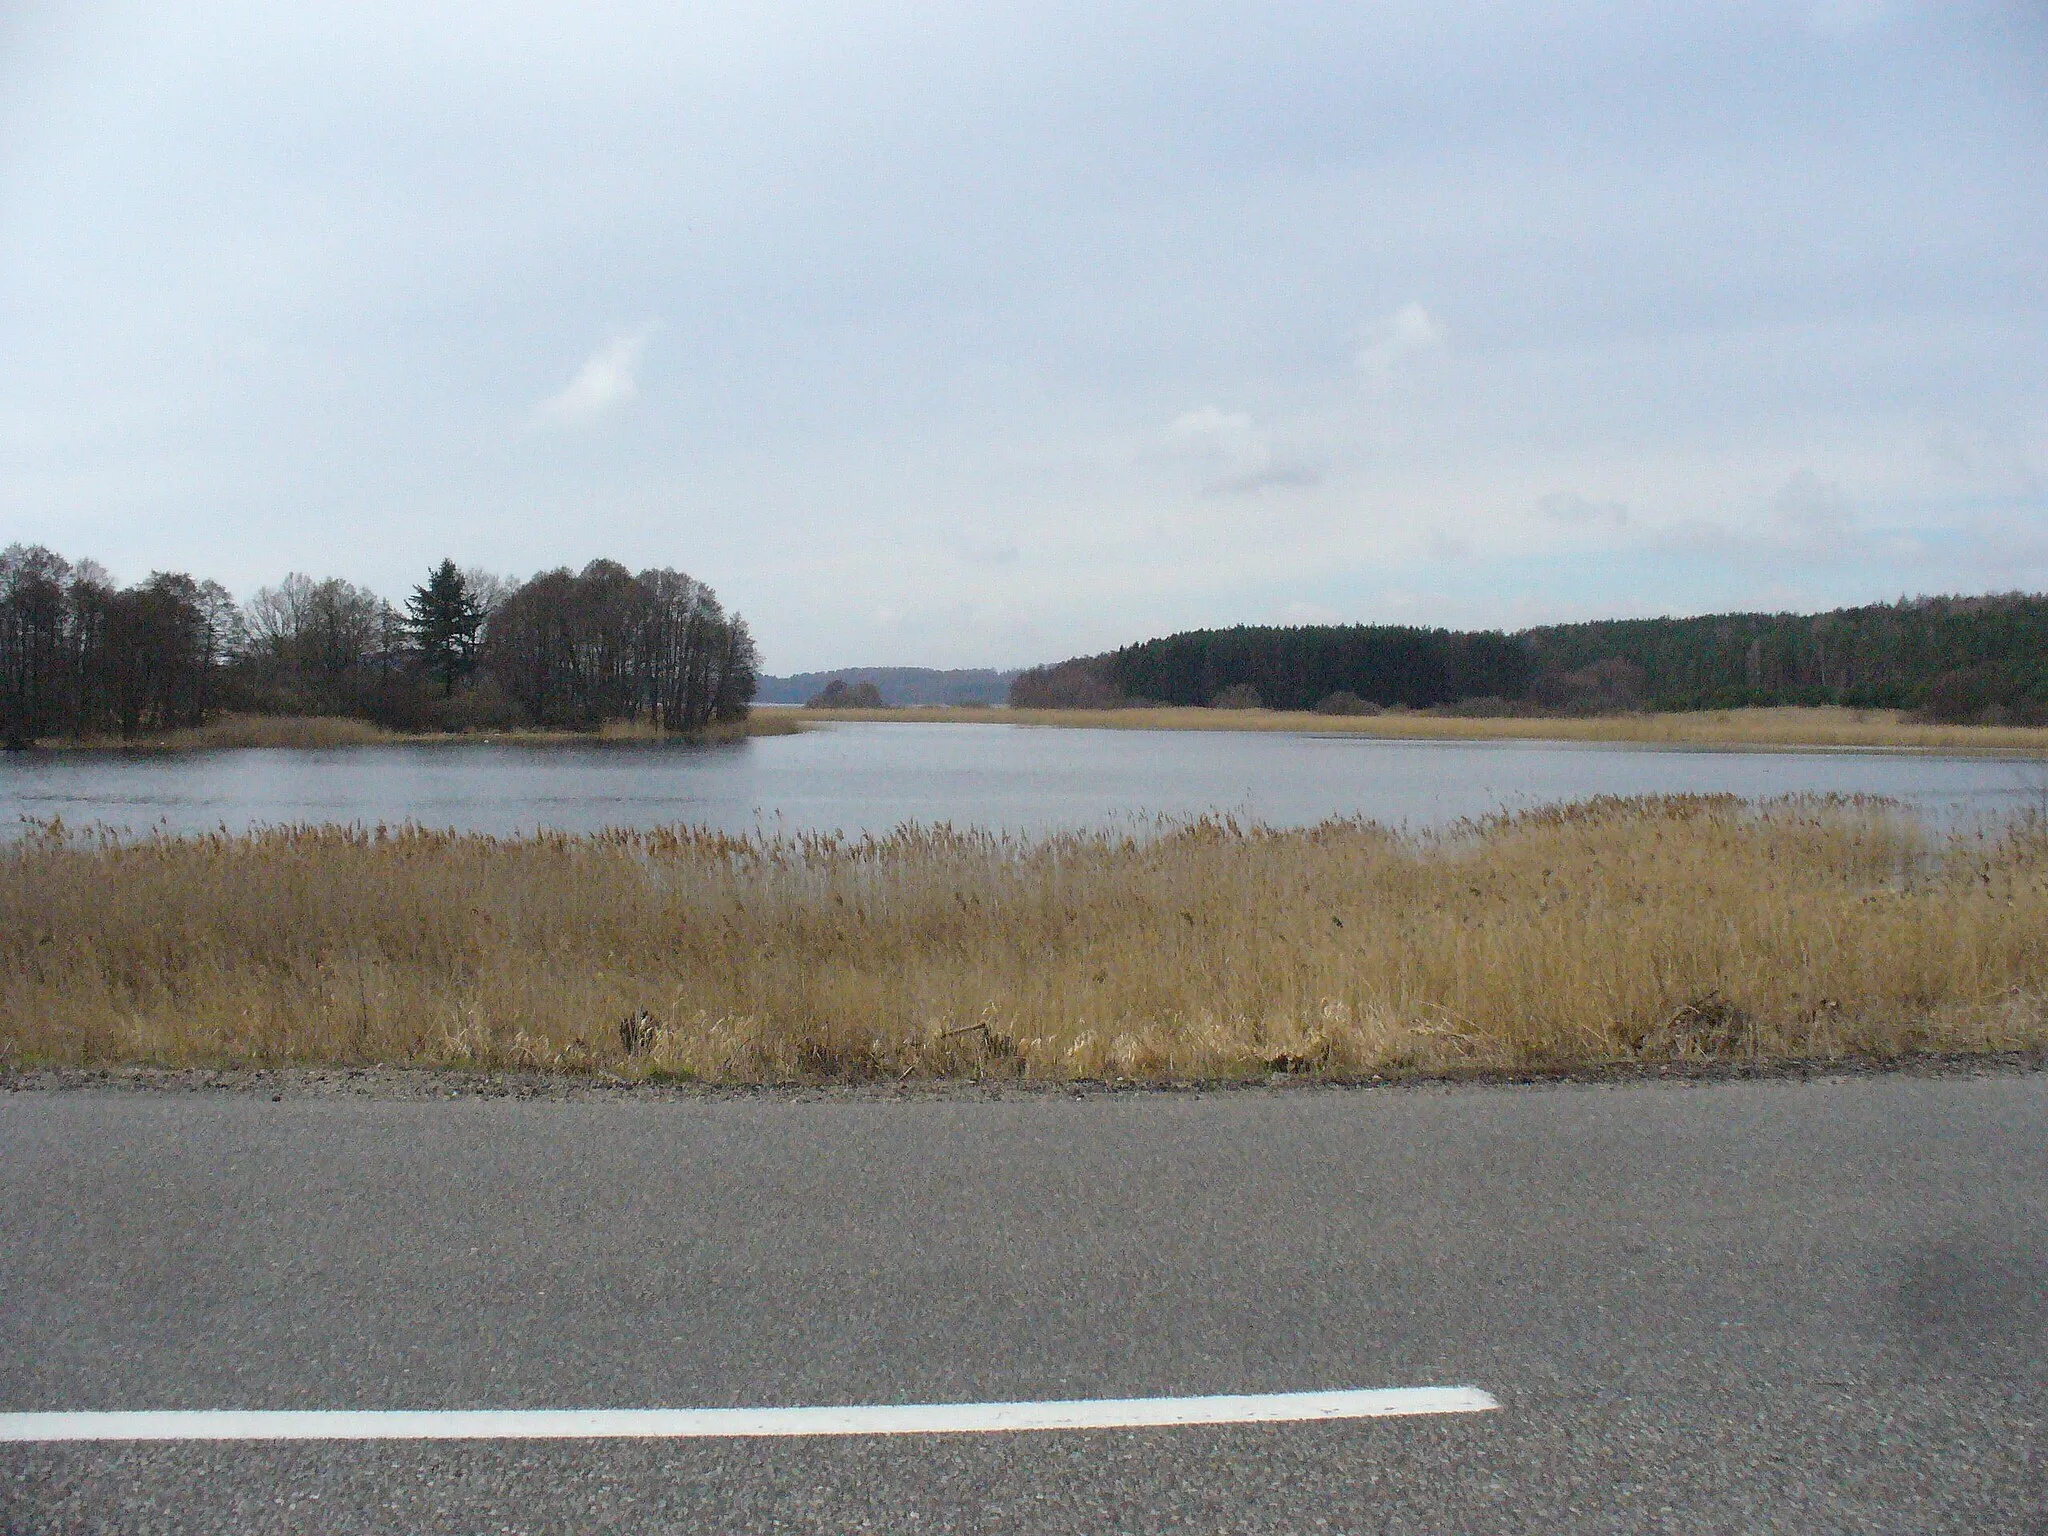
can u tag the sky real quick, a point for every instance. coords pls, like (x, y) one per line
(967, 335)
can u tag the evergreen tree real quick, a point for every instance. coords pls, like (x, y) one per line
(444, 618)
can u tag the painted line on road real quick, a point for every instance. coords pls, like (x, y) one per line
(723, 1423)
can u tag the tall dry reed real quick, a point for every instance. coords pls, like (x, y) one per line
(1625, 929)
(1824, 728)
(315, 732)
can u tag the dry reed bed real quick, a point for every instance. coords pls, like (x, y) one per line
(1618, 929)
(1824, 728)
(319, 732)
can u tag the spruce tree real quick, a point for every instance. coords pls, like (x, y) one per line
(444, 618)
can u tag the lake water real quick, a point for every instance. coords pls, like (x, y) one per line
(862, 777)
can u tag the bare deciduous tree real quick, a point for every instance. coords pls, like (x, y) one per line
(603, 644)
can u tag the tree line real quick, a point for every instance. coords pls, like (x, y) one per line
(1955, 658)
(81, 657)
(1947, 658)
(1298, 668)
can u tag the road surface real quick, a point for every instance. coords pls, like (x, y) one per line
(1744, 1306)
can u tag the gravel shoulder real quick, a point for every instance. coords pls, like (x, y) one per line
(420, 1083)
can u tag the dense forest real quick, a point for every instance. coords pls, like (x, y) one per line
(1298, 668)
(80, 657)
(1949, 658)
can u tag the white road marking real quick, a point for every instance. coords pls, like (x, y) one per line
(696, 1423)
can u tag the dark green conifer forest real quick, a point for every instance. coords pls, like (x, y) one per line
(1973, 659)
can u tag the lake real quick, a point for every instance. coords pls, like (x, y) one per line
(869, 777)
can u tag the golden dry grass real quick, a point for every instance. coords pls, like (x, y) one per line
(756, 724)
(297, 731)
(1638, 929)
(1829, 728)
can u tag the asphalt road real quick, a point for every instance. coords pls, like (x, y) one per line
(1750, 1306)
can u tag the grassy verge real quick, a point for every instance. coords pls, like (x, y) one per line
(1837, 729)
(1685, 929)
(320, 731)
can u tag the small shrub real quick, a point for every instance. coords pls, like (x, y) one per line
(1083, 683)
(483, 707)
(1986, 695)
(839, 694)
(1484, 707)
(1345, 702)
(1611, 686)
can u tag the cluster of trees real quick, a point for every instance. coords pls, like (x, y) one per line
(839, 694)
(1083, 683)
(329, 647)
(1299, 668)
(604, 644)
(1948, 658)
(80, 657)
(1958, 658)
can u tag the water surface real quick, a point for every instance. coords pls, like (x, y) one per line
(869, 777)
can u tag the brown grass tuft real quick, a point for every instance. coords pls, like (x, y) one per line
(1676, 928)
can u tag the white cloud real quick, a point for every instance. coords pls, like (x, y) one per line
(1228, 434)
(1448, 548)
(1576, 511)
(1409, 330)
(1239, 452)
(1844, 18)
(1808, 520)
(2011, 550)
(1815, 513)
(988, 549)
(602, 385)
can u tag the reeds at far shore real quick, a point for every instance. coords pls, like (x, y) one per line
(1817, 729)
(1823, 728)
(1659, 929)
(312, 732)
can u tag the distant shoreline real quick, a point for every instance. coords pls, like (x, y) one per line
(1823, 728)
(1817, 729)
(324, 732)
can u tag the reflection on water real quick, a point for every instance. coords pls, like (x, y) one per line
(870, 777)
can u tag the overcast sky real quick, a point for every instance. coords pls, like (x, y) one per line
(986, 335)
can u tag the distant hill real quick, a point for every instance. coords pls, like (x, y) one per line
(899, 685)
